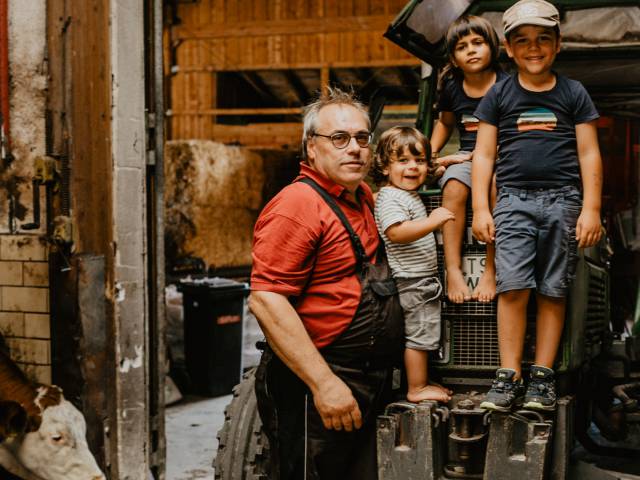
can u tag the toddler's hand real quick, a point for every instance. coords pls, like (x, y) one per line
(441, 216)
(588, 228)
(483, 226)
(436, 171)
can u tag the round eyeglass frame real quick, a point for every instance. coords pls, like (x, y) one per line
(334, 137)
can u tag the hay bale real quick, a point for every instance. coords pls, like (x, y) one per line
(213, 195)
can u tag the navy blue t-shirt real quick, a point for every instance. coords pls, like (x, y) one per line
(453, 98)
(537, 131)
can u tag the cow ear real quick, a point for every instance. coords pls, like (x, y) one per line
(13, 419)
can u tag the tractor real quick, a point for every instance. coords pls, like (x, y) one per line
(595, 431)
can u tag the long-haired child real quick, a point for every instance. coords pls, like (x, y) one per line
(472, 46)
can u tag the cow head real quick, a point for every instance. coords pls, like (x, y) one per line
(58, 449)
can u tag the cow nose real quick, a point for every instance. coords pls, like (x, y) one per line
(99, 477)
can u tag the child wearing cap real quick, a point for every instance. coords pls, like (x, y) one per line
(549, 178)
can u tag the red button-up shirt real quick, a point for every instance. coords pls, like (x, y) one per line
(302, 251)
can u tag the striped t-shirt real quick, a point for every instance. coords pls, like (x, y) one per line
(407, 260)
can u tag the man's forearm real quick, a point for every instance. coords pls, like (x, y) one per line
(288, 338)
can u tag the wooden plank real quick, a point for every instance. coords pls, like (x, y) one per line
(260, 10)
(217, 10)
(261, 135)
(377, 7)
(236, 111)
(266, 111)
(273, 65)
(331, 8)
(284, 27)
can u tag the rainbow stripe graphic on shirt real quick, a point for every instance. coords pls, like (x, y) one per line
(537, 119)
(469, 122)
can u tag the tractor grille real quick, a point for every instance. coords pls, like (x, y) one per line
(597, 309)
(475, 341)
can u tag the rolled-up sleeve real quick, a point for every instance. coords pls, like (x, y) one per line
(283, 254)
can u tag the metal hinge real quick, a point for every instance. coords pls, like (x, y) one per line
(150, 130)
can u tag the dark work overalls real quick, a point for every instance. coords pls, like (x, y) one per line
(363, 356)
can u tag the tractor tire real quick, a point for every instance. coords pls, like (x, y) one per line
(243, 448)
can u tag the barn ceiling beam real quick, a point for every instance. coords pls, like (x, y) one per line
(369, 83)
(253, 79)
(409, 76)
(297, 86)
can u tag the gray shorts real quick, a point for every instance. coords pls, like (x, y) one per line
(457, 171)
(536, 244)
(420, 301)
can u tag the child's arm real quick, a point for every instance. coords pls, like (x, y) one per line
(439, 138)
(588, 228)
(442, 131)
(481, 172)
(411, 230)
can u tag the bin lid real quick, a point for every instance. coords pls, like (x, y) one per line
(213, 283)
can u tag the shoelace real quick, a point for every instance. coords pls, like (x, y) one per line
(543, 386)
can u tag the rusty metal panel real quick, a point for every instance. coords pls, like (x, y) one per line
(409, 439)
(518, 447)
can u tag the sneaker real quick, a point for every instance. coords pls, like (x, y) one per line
(504, 392)
(541, 392)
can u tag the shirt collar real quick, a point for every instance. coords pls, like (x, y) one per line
(329, 185)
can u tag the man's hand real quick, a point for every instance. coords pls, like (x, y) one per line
(483, 226)
(588, 228)
(441, 215)
(336, 405)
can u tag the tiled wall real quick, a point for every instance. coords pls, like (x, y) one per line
(24, 303)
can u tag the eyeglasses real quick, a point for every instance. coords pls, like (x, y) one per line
(341, 139)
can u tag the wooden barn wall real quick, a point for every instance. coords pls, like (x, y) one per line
(232, 35)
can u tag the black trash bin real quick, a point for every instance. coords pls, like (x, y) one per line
(213, 314)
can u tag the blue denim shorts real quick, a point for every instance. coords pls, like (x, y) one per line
(536, 244)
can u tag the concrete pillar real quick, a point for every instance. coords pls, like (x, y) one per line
(129, 230)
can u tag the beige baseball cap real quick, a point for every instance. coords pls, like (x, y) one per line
(530, 12)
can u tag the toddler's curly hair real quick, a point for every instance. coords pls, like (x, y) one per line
(393, 141)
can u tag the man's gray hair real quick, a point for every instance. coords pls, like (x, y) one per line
(332, 96)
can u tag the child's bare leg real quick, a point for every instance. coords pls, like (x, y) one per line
(512, 325)
(549, 324)
(485, 291)
(454, 197)
(415, 362)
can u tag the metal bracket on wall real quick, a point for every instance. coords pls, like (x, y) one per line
(45, 173)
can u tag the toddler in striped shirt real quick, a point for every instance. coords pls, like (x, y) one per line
(400, 165)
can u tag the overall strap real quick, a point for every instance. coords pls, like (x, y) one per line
(358, 249)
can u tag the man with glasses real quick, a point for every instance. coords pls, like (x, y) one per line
(326, 373)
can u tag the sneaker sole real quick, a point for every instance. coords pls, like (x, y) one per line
(538, 406)
(493, 406)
